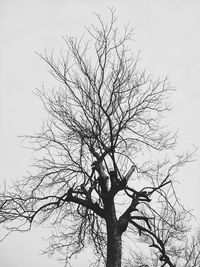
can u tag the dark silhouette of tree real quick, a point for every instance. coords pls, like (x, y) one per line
(97, 178)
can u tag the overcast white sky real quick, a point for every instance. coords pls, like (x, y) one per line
(167, 34)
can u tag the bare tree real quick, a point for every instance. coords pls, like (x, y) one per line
(97, 175)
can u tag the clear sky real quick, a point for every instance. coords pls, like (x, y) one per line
(167, 34)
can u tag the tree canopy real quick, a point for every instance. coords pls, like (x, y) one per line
(101, 176)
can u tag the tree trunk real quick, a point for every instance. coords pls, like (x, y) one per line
(114, 246)
(114, 242)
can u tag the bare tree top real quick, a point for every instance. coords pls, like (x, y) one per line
(104, 119)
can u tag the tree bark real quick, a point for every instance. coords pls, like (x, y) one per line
(114, 242)
(114, 247)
